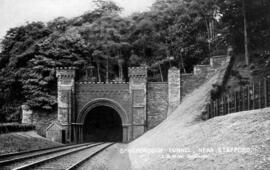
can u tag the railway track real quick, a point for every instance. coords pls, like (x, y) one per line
(64, 158)
(11, 157)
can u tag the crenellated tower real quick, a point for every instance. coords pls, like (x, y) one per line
(137, 88)
(65, 95)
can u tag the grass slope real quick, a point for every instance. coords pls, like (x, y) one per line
(22, 141)
(236, 141)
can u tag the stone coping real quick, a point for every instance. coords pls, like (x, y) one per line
(89, 82)
(157, 82)
(219, 56)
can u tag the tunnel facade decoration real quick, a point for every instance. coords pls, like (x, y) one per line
(140, 105)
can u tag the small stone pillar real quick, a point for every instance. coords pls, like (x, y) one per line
(27, 114)
(65, 93)
(174, 89)
(137, 87)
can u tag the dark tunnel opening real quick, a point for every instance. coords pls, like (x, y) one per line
(102, 124)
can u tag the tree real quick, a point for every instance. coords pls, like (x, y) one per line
(172, 33)
(245, 31)
(245, 24)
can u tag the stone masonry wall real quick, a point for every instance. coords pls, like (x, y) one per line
(218, 61)
(202, 70)
(189, 82)
(41, 120)
(157, 103)
(145, 103)
(26, 114)
(118, 92)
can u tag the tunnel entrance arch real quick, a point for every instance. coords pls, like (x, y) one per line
(103, 120)
(102, 124)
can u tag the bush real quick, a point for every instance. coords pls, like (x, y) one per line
(15, 127)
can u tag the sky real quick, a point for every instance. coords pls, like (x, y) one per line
(17, 12)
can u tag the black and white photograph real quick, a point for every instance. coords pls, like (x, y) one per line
(134, 84)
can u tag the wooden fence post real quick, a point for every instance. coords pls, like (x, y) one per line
(248, 97)
(265, 92)
(208, 110)
(216, 103)
(241, 99)
(221, 106)
(229, 106)
(247, 92)
(212, 109)
(253, 96)
(234, 100)
(218, 107)
(244, 98)
(215, 108)
(260, 95)
(224, 105)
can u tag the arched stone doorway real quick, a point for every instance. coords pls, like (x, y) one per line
(103, 120)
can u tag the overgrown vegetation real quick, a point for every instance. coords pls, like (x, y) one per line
(187, 31)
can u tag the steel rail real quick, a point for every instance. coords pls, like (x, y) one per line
(39, 162)
(79, 163)
(5, 156)
(36, 153)
(32, 151)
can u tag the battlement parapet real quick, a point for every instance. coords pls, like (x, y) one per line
(137, 71)
(66, 68)
(65, 72)
(149, 83)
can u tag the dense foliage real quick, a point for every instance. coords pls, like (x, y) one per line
(174, 32)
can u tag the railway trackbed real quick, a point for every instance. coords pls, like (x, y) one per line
(61, 158)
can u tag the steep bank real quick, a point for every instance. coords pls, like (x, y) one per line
(236, 141)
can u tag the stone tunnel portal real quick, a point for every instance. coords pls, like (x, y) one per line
(102, 120)
(102, 124)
